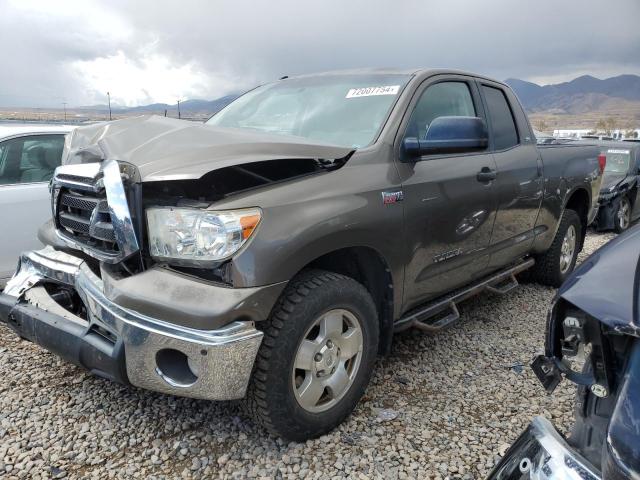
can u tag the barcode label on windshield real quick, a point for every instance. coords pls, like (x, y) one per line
(624, 152)
(371, 91)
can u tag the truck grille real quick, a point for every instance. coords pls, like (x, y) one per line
(91, 211)
(87, 218)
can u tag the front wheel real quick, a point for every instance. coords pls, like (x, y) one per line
(623, 215)
(316, 358)
(555, 265)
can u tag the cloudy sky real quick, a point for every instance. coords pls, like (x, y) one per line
(146, 51)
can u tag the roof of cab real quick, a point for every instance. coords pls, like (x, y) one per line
(422, 72)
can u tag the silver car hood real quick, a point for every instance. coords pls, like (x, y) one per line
(170, 149)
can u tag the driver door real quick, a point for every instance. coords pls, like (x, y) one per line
(449, 209)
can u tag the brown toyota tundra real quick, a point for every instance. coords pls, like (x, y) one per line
(272, 252)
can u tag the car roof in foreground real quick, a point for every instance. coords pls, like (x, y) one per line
(11, 129)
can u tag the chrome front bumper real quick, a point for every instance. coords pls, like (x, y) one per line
(541, 453)
(157, 355)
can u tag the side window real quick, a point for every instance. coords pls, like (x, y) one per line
(505, 133)
(30, 159)
(443, 99)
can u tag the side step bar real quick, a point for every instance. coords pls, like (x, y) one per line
(500, 283)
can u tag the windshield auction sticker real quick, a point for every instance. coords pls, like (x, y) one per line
(623, 152)
(372, 91)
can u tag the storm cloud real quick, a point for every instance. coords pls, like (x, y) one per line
(148, 51)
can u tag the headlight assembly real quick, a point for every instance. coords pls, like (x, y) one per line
(193, 236)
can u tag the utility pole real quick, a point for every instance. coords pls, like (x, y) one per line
(64, 105)
(178, 108)
(109, 100)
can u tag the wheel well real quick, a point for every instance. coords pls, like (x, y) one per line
(579, 203)
(369, 268)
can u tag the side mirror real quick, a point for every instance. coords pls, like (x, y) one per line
(448, 135)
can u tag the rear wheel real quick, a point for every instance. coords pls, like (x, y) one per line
(316, 358)
(623, 215)
(555, 265)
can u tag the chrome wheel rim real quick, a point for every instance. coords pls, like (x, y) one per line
(327, 360)
(568, 249)
(624, 211)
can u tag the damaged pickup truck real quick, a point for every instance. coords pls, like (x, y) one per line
(272, 252)
(619, 192)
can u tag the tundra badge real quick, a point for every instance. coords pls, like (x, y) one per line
(392, 197)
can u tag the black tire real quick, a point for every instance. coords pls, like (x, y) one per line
(271, 399)
(620, 224)
(547, 269)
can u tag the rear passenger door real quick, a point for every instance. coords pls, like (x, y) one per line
(26, 165)
(519, 183)
(449, 209)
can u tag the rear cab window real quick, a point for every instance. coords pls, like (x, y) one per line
(503, 125)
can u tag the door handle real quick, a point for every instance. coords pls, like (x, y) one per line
(486, 174)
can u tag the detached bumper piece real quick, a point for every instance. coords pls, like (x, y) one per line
(606, 217)
(541, 453)
(122, 344)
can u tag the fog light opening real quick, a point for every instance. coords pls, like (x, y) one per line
(174, 368)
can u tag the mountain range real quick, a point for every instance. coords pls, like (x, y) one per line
(187, 107)
(584, 102)
(586, 97)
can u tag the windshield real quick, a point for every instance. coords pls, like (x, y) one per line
(345, 110)
(617, 160)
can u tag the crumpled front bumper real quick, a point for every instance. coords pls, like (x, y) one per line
(122, 344)
(541, 453)
(607, 208)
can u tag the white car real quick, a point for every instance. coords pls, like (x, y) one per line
(28, 156)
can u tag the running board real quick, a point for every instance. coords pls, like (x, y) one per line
(423, 318)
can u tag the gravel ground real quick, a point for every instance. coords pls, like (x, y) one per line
(440, 406)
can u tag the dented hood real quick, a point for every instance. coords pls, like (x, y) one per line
(169, 149)
(606, 285)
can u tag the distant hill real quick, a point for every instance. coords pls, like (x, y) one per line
(188, 107)
(583, 101)
(581, 95)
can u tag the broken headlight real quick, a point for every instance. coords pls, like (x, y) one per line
(193, 236)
